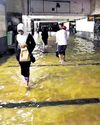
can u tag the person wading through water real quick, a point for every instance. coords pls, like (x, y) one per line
(24, 46)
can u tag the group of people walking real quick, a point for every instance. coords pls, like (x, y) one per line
(25, 44)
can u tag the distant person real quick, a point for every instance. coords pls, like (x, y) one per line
(61, 40)
(10, 35)
(44, 35)
(74, 30)
(13, 32)
(10, 27)
(71, 30)
(37, 29)
(64, 27)
(32, 31)
(24, 47)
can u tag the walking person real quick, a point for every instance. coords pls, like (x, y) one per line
(24, 47)
(44, 35)
(61, 40)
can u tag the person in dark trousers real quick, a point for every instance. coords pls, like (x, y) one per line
(44, 35)
(23, 40)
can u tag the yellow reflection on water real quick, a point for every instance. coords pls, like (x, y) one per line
(59, 115)
(50, 81)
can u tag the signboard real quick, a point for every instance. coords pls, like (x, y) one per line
(93, 17)
(90, 18)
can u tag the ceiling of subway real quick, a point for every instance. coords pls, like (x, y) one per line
(59, 9)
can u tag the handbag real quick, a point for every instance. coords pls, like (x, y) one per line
(24, 55)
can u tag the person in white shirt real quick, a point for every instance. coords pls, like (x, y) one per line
(61, 40)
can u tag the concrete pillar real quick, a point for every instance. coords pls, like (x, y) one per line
(92, 6)
(3, 42)
(95, 6)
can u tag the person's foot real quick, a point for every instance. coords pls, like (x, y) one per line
(63, 63)
(26, 81)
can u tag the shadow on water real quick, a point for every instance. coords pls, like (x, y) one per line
(4, 58)
(67, 91)
(52, 103)
(54, 65)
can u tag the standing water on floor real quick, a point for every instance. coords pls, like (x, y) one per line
(51, 82)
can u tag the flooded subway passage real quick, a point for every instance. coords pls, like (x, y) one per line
(59, 94)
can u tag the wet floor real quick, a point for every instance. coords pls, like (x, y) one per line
(51, 82)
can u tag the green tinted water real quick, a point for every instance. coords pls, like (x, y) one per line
(50, 81)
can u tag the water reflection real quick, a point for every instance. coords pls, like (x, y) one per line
(84, 46)
(63, 115)
(50, 81)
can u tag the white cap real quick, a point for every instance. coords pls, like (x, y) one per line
(20, 26)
